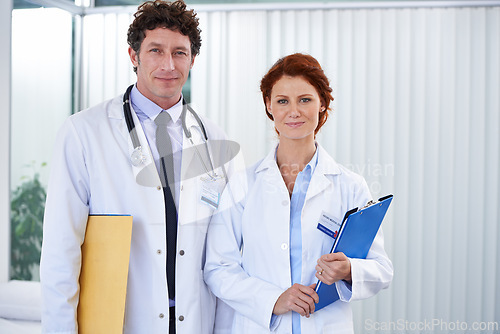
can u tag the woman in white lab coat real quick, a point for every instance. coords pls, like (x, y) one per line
(264, 250)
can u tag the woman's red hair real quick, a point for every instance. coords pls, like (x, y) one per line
(305, 66)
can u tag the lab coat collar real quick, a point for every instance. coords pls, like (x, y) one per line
(326, 164)
(150, 109)
(321, 179)
(116, 110)
(188, 154)
(117, 107)
(191, 122)
(268, 162)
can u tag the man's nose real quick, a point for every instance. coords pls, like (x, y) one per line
(168, 62)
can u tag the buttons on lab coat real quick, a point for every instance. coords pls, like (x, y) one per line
(161, 316)
(284, 246)
(158, 188)
(181, 252)
(158, 251)
(181, 318)
(284, 203)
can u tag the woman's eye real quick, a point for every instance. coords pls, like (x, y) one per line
(305, 99)
(282, 101)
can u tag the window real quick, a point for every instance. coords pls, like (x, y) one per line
(41, 100)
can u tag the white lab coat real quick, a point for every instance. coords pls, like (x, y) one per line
(91, 173)
(248, 259)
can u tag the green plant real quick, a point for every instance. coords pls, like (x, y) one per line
(27, 208)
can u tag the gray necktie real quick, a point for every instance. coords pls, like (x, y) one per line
(164, 146)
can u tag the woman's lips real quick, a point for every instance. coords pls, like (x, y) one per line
(294, 124)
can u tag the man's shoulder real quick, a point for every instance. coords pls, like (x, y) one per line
(214, 131)
(115, 102)
(109, 108)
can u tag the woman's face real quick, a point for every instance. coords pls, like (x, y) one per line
(295, 106)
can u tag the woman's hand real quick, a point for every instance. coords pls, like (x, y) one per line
(334, 267)
(298, 298)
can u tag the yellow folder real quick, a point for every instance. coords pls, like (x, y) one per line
(103, 278)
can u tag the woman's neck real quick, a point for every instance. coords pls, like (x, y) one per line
(295, 152)
(292, 156)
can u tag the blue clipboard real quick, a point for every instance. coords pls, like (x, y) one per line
(356, 235)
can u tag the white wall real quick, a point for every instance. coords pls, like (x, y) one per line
(416, 111)
(5, 41)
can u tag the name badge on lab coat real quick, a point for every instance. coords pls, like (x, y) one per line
(211, 190)
(328, 225)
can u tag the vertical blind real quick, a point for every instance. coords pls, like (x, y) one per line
(104, 69)
(416, 112)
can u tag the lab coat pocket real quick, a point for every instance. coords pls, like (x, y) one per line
(319, 237)
(244, 325)
(207, 299)
(337, 328)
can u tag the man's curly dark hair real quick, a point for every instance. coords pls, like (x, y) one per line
(172, 15)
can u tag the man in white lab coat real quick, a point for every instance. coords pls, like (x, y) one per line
(98, 169)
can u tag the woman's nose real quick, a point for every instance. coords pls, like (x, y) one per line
(294, 110)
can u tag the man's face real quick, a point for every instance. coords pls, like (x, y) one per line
(163, 65)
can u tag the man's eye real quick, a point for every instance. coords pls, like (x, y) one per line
(155, 50)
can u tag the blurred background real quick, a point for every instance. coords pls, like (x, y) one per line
(416, 112)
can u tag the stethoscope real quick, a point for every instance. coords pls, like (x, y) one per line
(138, 158)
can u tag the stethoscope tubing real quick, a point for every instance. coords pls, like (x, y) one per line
(129, 120)
(131, 126)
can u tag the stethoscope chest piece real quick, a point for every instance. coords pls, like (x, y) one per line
(137, 157)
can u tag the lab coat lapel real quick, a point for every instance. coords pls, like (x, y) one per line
(145, 174)
(319, 180)
(269, 162)
(190, 209)
(272, 175)
(188, 149)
